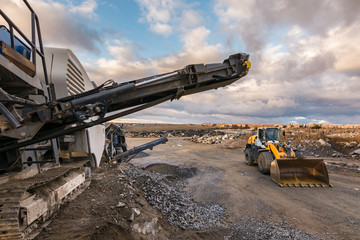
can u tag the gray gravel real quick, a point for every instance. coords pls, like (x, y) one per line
(254, 229)
(165, 192)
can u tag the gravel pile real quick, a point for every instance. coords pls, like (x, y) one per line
(313, 148)
(324, 148)
(254, 229)
(174, 133)
(208, 139)
(310, 143)
(199, 136)
(164, 192)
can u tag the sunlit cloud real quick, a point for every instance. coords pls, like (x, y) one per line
(304, 55)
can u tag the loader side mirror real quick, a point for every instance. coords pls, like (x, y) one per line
(283, 133)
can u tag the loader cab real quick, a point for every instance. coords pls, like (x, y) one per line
(269, 134)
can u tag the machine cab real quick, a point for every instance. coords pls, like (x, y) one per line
(269, 134)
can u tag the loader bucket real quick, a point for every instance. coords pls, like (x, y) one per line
(300, 172)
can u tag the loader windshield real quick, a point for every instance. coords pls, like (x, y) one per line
(272, 134)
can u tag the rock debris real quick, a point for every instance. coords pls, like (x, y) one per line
(177, 205)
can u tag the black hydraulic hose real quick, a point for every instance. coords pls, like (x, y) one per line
(12, 120)
(102, 95)
(83, 94)
(25, 103)
(62, 100)
(54, 133)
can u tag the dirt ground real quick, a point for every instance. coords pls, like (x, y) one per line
(247, 194)
(254, 206)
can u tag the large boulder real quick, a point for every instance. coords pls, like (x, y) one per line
(356, 152)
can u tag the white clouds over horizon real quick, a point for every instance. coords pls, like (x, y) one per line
(304, 54)
(186, 22)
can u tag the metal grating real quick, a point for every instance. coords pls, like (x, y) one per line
(74, 80)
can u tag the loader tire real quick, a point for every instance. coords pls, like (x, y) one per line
(248, 160)
(264, 162)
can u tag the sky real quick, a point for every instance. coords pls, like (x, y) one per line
(304, 53)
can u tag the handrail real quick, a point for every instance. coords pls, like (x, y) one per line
(34, 50)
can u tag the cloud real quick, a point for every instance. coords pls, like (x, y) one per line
(126, 64)
(161, 28)
(158, 13)
(85, 9)
(304, 55)
(166, 17)
(59, 27)
(190, 18)
(298, 73)
(256, 22)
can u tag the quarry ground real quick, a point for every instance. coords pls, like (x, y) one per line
(140, 200)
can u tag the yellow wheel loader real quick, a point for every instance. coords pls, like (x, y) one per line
(286, 166)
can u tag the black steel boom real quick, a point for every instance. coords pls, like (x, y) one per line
(45, 121)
